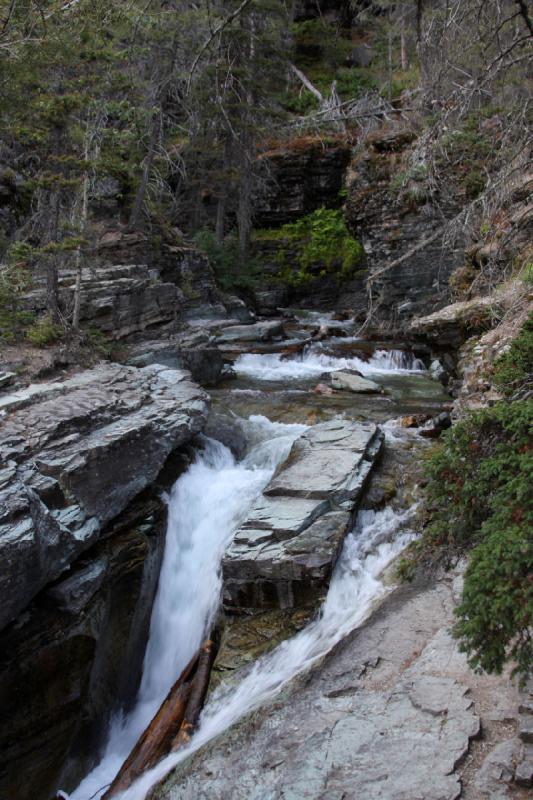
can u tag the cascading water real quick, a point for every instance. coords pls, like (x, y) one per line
(355, 588)
(313, 363)
(205, 507)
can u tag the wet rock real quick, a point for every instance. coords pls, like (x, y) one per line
(228, 430)
(7, 378)
(75, 656)
(76, 453)
(433, 428)
(323, 389)
(438, 372)
(354, 382)
(204, 362)
(257, 332)
(283, 554)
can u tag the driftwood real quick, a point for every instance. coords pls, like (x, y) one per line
(199, 685)
(159, 737)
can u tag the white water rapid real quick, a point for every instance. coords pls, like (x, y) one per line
(205, 507)
(313, 362)
(356, 586)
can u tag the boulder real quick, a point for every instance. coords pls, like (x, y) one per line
(204, 362)
(257, 332)
(354, 382)
(75, 453)
(283, 554)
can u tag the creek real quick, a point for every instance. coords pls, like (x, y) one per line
(273, 397)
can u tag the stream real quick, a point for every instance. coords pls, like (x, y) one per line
(273, 397)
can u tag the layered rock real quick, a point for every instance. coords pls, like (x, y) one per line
(283, 554)
(300, 178)
(75, 453)
(392, 226)
(75, 654)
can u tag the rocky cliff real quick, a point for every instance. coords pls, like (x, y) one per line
(81, 538)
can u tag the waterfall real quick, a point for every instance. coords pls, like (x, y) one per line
(356, 586)
(313, 363)
(205, 507)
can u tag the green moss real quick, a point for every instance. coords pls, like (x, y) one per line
(322, 244)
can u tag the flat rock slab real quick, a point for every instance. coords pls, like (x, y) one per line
(283, 554)
(386, 716)
(75, 453)
(354, 383)
(255, 332)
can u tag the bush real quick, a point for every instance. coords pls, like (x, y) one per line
(479, 499)
(44, 331)
(14, 281)
(225, 258)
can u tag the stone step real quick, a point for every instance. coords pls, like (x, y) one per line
(283, 554)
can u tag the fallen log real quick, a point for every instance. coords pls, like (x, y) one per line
(195, 703)
(157, 739)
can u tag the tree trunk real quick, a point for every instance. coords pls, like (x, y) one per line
(83, 224)
(156, 740)
(403, 45)
(199, 686)
(147, 170)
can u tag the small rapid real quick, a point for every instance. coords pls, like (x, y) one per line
(313, 363)
(357, 585)
(205, 507)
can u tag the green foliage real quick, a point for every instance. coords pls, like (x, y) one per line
(14, 280)
(323, 244)
(515, 367)
(224, 256)
(44, 331)
(479, 496)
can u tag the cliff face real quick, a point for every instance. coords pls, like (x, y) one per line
(80, 554)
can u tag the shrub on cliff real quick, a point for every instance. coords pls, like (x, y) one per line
(479, 500)
(323, 245)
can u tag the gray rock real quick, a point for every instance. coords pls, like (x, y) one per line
(257, 332)
(328, 462)
(203, 362)
(75, 655)
(438, 372)
(497, 770)
(379, 718)
(76, 453)
(75, 592)
(354, 383)
(6, 378)
(523, 775)
(283, 554)
(525, 727)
